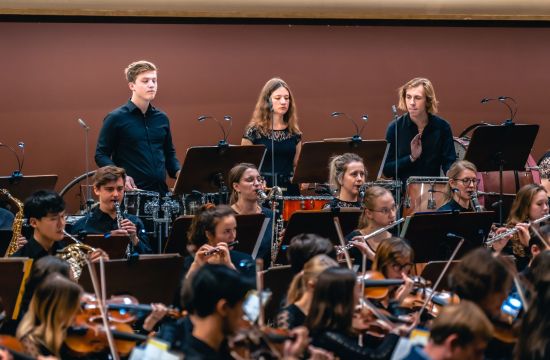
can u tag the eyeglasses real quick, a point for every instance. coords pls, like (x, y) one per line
(385, 210)
(467, 181)
(250, 179)
(401, 267)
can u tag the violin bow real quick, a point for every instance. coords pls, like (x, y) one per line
(342, 241)
(260, 289)
(440, 277)
(101, 305)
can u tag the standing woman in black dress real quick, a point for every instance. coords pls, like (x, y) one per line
(276, 107)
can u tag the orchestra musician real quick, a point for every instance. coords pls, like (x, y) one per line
(531, 203)
(137, 137)
(212, 229)
(347, 174)
(304, 247)
(300, 292)
(459, 332)
(45, 211)
(329, 320)
(245, 183)
(424, 140)
(275, 119)
(379, 211)
(53, 307)
(394, 259)
(483, 278)
(462, 183)
(103, 219)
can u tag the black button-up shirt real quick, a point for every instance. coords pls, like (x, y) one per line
(438, 150)
(32, 249)
(98, 222)
(139, 143)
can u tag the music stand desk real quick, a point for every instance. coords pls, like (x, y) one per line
(114, 245)
(427, 233)
(23, 188)
(319, 222)
(312, 165)
(14, 272)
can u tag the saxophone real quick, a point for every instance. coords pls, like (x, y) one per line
(17, 222)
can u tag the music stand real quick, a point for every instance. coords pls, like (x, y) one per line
(12, 286)
(5, 238)
(22, 188)
(433, 269)
(250, 231)
(277, 279)
(205, 168)
(312, 165)
(319, 222)
(427, 233)
(177, 240)
(114, 245)
(501, 148)
(151, 279)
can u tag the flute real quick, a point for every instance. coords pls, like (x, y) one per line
(512, 231)
(339, 249)
(217, 249)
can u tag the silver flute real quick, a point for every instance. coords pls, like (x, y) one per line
(119, 217)
(217, 249)
(340, 250)
(512, 231)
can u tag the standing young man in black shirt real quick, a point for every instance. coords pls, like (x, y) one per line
(137, 137)
(424, 141)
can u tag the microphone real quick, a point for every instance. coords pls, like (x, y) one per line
(83, 124)
(357, 137)
(362, 191)
(222, 143)
(394, 112)
(502, 99)
(16, 174)
(454, 236)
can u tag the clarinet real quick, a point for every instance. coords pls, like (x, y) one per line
(475, 202)
(119, 218)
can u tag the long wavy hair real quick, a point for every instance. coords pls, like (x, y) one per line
(52, 309)
(311, 271)
(333, 302)
(519, 212)
(261, 117)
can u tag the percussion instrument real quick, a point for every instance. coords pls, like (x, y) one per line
(292, 204)
(141, 203)
(424, 194)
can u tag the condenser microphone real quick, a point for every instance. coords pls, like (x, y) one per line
(83, 124)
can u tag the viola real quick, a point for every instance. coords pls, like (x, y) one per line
(253, 342)
(376, 285)
(14, 346)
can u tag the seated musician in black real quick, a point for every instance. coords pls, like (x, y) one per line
(212, 229)
(486, 280)
(462, 183)
(45, 211)
(329, 320)
(300, 292)
(346, 177)
(245, 181)
(379, 211)
(102, 219)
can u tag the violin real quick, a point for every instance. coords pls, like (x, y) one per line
(88, 335)
(14, 346)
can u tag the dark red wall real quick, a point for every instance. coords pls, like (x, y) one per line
(55, 73)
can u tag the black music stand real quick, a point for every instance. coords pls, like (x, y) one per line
(277, 280)
(312, 165)
(15, 272)
(433, 269)
(177, 240)
(151, 279)
(205, 168)
(114, 245)
(5, 238)
(427, 233)
(22, 188)
(501, 148)
(250, 231)
(319, 222)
